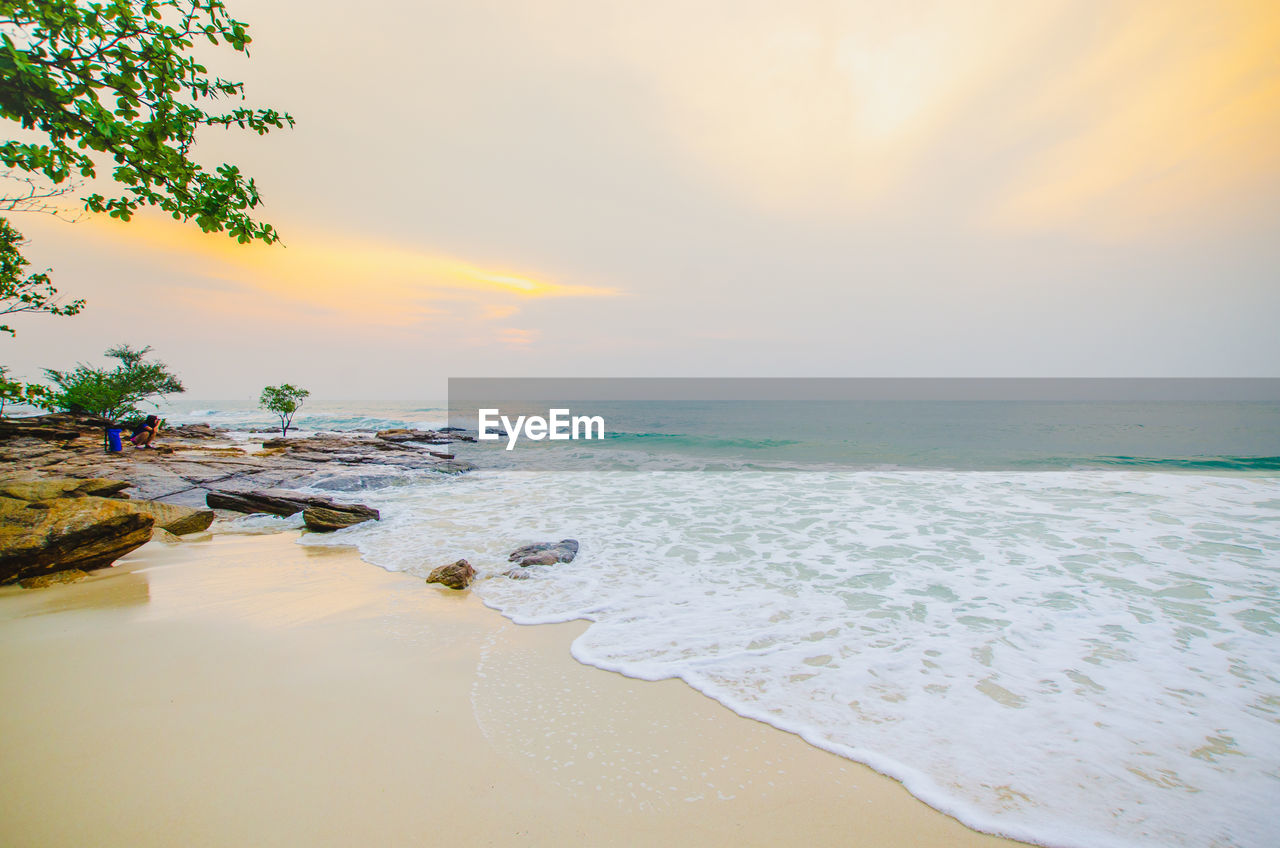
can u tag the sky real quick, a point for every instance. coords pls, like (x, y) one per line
(703, 188)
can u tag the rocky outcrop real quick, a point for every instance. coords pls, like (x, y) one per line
(400, 434)
(70, 575)
(178, 520)
(61, 487)
(58, 427)
(545, 553)
(270, 501)
(41, 537)
(355, 450)
(430, 437)
(193, 431)
(324, 519)
(282, 502)
(187, 463)
(456, 575)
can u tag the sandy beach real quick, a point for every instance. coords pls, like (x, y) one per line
(247, 690)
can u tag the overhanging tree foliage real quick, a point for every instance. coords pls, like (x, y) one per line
(284, 400)
(117, 81)
(112, 394)
(21, 292)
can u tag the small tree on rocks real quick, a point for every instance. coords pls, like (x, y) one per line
(110, 394)
(284, 400)
(114, 393)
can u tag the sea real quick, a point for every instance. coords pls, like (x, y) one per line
(1055, 621)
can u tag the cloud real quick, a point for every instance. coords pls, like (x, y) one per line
(1023, 117)
(1175, 110)
(498, 312)
(514, 337)
(356, 279)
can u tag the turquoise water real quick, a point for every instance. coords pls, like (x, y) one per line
(1010, 435)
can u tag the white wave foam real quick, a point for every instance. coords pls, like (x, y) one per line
(1076, 658)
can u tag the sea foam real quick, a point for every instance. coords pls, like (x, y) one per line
(1075, 658)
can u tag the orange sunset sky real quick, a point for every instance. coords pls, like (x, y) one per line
(714, 189)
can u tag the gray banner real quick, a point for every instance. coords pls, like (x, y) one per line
(1185, 425)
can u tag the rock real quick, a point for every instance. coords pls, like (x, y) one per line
(400, 434)
(70, 575)
(60, 487)
(545, 553)
(456, 575)
(229, 450)
(516, 574)
(37, 538)
(272, 501)
(187, 475)
(163, 536)
(324, 519)
(275, 443)
(178, 520)
(452, 466)
(284, 502)
(193, 431)
(58, 427)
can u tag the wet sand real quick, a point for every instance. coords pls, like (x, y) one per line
(246, 690)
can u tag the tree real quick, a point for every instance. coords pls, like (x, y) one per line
(14, 391)
(115, 81)
(284, 400)
(112, 394)
(30, 293)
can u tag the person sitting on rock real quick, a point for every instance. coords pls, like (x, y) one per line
(145, 431)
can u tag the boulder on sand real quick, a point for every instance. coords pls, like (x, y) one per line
(325, 519)
(545, 553)
(41, 537)
(456, 575)
(178, 520)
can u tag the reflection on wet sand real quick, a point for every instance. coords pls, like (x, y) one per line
(110, 588)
